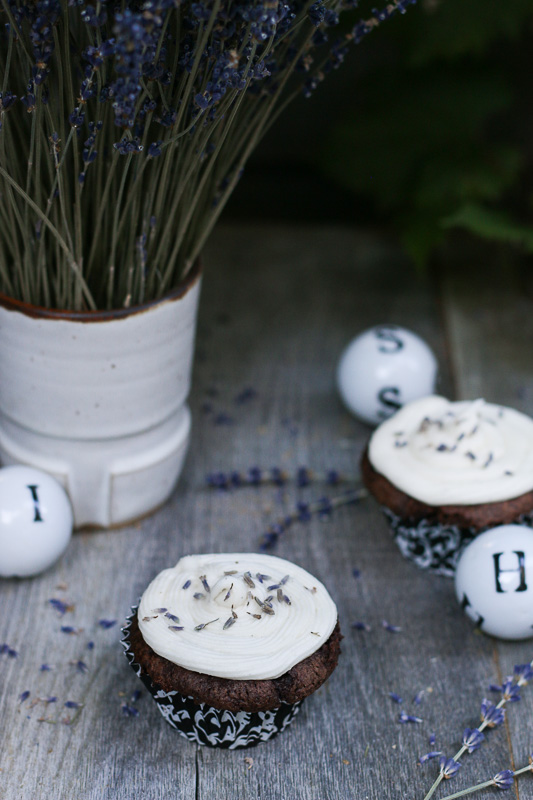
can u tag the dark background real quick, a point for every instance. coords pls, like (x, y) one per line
(425, 132)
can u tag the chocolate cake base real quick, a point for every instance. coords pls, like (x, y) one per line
(227, 713)
(435, 536)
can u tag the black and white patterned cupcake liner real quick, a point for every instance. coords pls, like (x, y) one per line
(203, 724)
(434, 546)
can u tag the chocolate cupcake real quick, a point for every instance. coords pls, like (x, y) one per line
(444, 472)
(230, 645)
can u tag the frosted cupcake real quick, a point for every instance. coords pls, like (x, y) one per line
(443, 472)
(230, 645)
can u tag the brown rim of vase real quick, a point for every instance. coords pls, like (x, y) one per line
(30, 310)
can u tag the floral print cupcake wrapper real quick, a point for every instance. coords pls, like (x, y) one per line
(434, 546)
(203, 724)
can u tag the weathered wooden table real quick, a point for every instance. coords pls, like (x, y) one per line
(278, 306)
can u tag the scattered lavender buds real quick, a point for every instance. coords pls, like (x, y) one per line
(304, 512)
(228, 623)
(390, 628)
(361, 626)
(428, 756)
(172, 617)
(247, 578)
(5, 649)
(107, 623)
(226, 597)
(404, 718)
(186, 585)
(60, 606)
(73, 704)
(129, 711)
(488, 461)
(205, 584)
(395, 697)
(198, 596)
(205, 624)
(24, 696)
(245, 396)
(255, 476)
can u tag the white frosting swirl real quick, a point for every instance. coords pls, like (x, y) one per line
(262, 615)
(463, 453)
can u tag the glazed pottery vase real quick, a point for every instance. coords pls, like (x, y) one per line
(98, 400)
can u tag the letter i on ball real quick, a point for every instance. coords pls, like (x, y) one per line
(382, 369)
(35, 521)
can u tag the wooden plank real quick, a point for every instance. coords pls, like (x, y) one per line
(278, 306)
(489, 317)
(347, 741)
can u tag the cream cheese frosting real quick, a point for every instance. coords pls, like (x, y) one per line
(455, 453)
(242, 616)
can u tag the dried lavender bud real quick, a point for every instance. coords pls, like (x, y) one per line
(205, 624)
(247, 578)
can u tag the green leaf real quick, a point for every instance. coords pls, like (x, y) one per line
(419, 235)
(415, 130)
(492, 225)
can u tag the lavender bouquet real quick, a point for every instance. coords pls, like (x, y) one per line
(124, 128)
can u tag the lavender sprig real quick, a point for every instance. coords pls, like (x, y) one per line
(502, 780)
(491, 716)
(304, 512)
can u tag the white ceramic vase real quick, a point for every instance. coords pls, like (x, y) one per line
(98, 400)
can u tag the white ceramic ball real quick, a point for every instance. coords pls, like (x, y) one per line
(35, 521)
(494, 581)
(382, 369)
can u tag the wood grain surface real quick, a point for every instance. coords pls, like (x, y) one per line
(278, 306)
